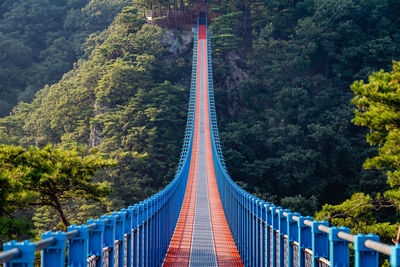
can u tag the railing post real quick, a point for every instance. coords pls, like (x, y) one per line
(146, 232)
(395, 256)
(282, 236)
(27, 257)
(54, 255)
(119, 236)
(259, 231)
(135, 253)
(293, 236)
(128, 236)
(253, 232)
(78, 246)
(140, 234)
(269, 234)
(151, 233)
(248, 230)
(319, 242)
(338, 248)
(109, 237)
(263, 233)
(276, 242)
(365, 257)
(304, 239)
(96, 240)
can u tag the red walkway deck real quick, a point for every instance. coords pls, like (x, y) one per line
(202, 236)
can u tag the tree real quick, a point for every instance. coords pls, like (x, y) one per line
(378, 107)
(48, 177)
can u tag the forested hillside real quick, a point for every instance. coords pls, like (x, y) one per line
(39, 41)
(283, 71)
(284, 99)
(127, 101)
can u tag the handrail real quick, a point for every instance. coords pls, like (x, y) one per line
(264, 234)
(249, 217)
(120, 230)
(10, 255)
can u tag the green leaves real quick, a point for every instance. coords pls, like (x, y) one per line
(49, 177)
(378, 106)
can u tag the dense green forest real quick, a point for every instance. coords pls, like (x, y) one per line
(283, 71)
(40, 40)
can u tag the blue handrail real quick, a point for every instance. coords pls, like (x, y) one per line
(267, 235)
(136, 236)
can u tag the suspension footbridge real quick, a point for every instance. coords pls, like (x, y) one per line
(202, 218)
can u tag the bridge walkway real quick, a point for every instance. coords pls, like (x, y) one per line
(202, 236)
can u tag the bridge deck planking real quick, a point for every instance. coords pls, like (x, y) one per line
(202, 236)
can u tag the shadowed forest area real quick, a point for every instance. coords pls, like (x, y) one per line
(92, 78)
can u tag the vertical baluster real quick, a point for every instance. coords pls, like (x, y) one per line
(145, 232)
(78, 246)
(140, 234)
(304, 238)
(109, 237)
(338, 248)
(248, 230)
(395, 256)
(259, 231)
(96, 240)
(242, 225)
(263, 233)
(135, 236)
(27, 257)
(252, 231)
(293, 236)
(275, 234)
(282, 232)
(156, 229)
(128, 235)
(120, 218)
(151, 233)
(365, 257)
(54, 255)
(319, 242)
(268, 234)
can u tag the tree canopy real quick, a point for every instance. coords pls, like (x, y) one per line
(48, 177)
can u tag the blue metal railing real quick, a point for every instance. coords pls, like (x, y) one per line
(267, 235)
(136, 236)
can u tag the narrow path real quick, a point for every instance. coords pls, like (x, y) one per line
(202, 236)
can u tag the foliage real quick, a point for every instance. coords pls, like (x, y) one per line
(120, 102)
(39, 41)
(359, 214)
(284, 86)
(282, 72)
(49, 177)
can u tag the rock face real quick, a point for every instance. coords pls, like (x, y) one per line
(177, 42)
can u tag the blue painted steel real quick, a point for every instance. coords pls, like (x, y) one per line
(319, 242)
(27, 257)
(78, 246)
(265, 235)
(96, 240)
(395, 256)
(54, 255)
(293, 236)
(338, 248)
(128, 234)
(120, 218)
(365, 257)
(109, 236)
